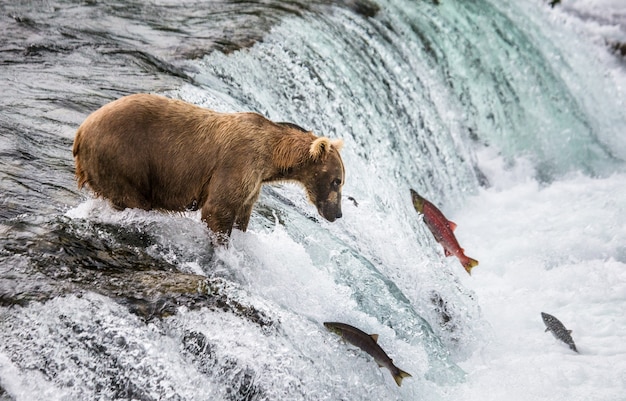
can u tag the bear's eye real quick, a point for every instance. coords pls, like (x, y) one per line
(336, 182)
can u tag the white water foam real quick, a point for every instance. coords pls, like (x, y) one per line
(559, 249)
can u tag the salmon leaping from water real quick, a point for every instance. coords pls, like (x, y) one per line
(369, 344)
(442, 229)
(558, 330)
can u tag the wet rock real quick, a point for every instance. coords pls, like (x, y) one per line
(198, 350)
(618, 48)
(364, 8)
(447, 318)
(4, 396)
(64, 258)
(244, 388)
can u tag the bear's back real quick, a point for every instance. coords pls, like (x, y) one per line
(166, 150)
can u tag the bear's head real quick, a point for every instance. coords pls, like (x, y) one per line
(324, 176)
(315, 163)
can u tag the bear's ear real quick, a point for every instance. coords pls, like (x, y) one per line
(337, 144)
(321, 147)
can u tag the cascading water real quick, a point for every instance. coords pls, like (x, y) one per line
(443, 98)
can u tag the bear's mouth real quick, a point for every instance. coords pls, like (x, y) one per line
(330, 211)
(330, 218)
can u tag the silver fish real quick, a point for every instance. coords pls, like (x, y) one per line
(558, 330)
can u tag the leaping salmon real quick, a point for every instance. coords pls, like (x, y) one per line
(369, 344)
(443, 230)
(558, 330)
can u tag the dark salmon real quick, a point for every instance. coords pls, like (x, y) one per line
(369, 344)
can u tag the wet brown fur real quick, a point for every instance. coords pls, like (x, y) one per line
(150, 152)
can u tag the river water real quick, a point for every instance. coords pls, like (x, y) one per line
(508, 116)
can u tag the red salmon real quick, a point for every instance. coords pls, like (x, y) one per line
(442, 230)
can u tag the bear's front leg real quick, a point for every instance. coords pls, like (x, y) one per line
(219, 219)
(243, 217)
(232, 195)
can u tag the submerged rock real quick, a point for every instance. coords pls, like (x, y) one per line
(4, 396)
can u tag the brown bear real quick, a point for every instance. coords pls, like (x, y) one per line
(151, 152)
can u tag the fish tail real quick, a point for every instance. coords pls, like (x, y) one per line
(401, 375)
(469, 264)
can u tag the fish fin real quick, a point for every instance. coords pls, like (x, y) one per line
(569, 332)
(401, 375)
(547, 329)
(452, 225)
(374, 337)
(469, 265)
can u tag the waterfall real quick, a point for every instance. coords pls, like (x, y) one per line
(505, 115)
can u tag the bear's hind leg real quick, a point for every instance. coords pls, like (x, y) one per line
(120, 189)
(134, 202)
(125, 196)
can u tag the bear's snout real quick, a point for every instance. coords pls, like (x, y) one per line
(330, 211)
(333, 217)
